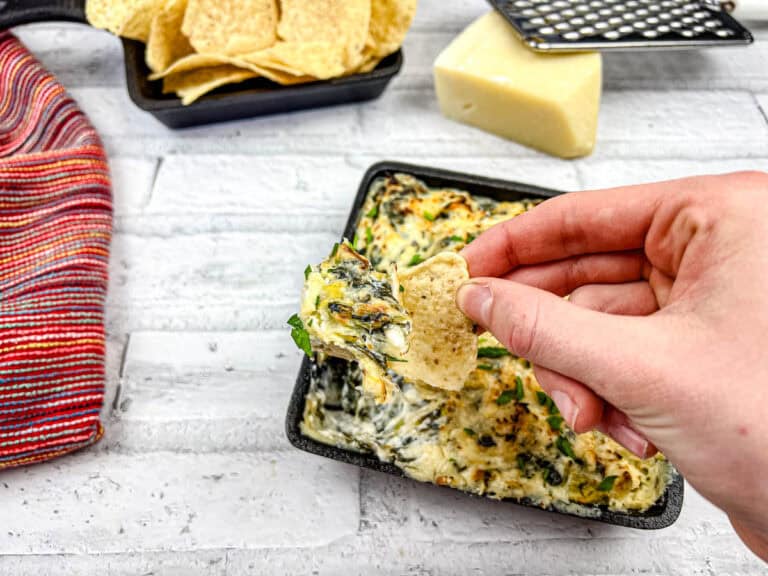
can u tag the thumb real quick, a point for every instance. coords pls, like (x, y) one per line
(614, 355)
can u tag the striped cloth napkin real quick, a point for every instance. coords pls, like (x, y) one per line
(55, 228)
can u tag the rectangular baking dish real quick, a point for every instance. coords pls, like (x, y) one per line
(660, 515)
(255, 97)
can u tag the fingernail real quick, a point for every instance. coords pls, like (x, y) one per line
(474, 299)
(631, 439)
(568, 408)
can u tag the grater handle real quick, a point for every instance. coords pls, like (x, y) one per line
(17, 12)
(752, 10)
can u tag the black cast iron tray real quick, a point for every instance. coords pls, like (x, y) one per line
(660, 515)
(248, 99)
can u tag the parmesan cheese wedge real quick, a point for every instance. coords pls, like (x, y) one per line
(487, 78)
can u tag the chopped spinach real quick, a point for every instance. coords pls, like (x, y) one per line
(299, 334)
(607, 484)
(416, 259)
(486, 441)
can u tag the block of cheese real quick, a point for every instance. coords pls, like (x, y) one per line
(487, 78)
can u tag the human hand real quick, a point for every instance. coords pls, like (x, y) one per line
(663, 340)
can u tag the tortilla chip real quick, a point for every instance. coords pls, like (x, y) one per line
(231, 27)
(322, 60)
(166, 43)
(189, 86)
(390, 21)
(344, 22)
(126, 18)
(199, 62)
(190, 63)
(443, 349)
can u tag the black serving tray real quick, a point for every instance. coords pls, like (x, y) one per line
(255, 97)
(660, 515)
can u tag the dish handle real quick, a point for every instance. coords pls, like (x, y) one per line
(17, 12)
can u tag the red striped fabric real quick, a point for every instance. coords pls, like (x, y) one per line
(55, 229)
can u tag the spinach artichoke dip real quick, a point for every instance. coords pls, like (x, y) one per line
(500, 435)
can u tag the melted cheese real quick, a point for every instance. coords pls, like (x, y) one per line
(500, 436)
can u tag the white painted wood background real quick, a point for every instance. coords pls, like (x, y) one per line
(213, 228)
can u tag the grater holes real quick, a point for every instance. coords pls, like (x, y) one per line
(575, 20)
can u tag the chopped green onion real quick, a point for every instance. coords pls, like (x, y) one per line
(307, 272)
(565, 447)
(373, 212)
(545, 400)
(505, 397)
(299, 334)
(469, 432)
(456, 239)
(555, 422)
(519, 389)
(484, 367)
(429, 216)
(335, 249)
(402, 288)
(491, 352)
(393, 359)
(607, 484)
(416, 259)
(470, 237)
(317, 302)
(368, 236)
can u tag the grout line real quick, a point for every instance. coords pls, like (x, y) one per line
(763, 111)
(120, 376)
(155, 174)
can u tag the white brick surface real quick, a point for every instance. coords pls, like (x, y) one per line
(99, 502)
(204, 392)
(213, 227)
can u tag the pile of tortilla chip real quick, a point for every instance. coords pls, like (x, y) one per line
(196, 46)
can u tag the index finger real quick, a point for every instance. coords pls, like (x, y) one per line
(610, 220)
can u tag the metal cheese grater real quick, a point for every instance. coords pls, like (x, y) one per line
(573, 25)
